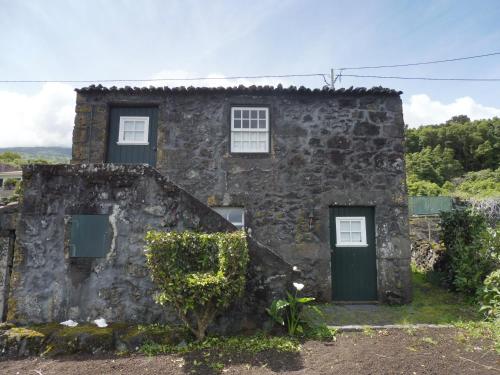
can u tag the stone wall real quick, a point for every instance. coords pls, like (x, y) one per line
(8, 223)
(327, 148)
(48, 285)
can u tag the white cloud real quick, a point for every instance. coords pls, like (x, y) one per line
(216, 80)
(422, 110)
(42, 119)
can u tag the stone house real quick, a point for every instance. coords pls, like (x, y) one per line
(316, 177)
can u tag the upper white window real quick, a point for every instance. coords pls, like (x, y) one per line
(250, 129)
(235, 215)
(350, 231)
(134, 130)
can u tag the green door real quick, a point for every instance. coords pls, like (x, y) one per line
(132, 135)
(354, 270)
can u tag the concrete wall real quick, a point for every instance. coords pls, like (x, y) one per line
(48, 285)
(327, 148)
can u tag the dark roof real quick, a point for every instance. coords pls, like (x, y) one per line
(351, 91)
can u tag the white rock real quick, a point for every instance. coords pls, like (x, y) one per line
(101, 322)
(69, 323)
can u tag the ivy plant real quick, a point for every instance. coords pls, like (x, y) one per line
(200, 274)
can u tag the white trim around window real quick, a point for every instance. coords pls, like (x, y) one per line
(235, 215)
(249, 129)
(350, 231)
(133, 130)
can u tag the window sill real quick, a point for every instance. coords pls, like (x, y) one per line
(132, 143)
(351, 245)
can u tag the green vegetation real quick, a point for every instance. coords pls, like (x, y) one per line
(199, 274)
(226, 345)
(289, 312)
(17, 156)
(490, 296)
(458, 158)
(472, 249)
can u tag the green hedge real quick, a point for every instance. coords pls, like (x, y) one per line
(200, 274)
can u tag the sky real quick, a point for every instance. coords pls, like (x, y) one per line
(119, 39)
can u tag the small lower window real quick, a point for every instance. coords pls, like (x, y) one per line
(134, 130)
(235, 215)
(90, 236)
(350, 231)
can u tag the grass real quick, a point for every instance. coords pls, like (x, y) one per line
(228, 345)
(431, 304)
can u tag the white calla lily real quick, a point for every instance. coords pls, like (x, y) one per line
(298, 286)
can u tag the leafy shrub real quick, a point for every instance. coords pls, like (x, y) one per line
(288, 312)
(472, 250)
(10, 183)
(198, 273)
(490, 296)
(423, 188)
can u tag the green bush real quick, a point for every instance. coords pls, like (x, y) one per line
(490, 296)
(198, 273)
(471, 249)
(10, 183)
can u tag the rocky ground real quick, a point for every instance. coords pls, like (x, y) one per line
(422, 351)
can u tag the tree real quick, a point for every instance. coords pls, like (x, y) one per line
(200, 274)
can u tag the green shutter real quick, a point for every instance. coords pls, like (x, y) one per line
(90, 236)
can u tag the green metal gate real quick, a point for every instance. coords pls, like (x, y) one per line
(354, 270)
(429, 205)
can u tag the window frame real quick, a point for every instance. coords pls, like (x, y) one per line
(242, 130)
(121, 131)
(339, 242)
(224, 212)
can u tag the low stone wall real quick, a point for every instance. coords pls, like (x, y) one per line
(48, 285)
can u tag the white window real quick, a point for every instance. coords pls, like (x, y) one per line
(350, 231)
(235, 215)
(134, 130)
(250, 129)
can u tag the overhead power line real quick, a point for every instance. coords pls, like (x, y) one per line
(420, 63)
(422, 78)
(168, 79)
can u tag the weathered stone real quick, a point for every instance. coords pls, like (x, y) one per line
(52, 286)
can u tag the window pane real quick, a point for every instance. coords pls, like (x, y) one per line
(237, 123)
(262, 124)
(128, 136)
(139, 126)
(237, 113)
(245, 124)
(128, 125)
(253, 124)
(245, 113)
(345, 237)
(235, 216)
(356, 226)
(356, 236)
(344, 226)
(253, 114)
(139, 136)
(262, 114)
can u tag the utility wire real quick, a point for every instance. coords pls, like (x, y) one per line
(168, 79)
(423, 78)
(421, 63)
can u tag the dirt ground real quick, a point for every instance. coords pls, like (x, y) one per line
(423, 351)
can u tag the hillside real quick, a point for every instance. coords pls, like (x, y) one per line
(50, 154)
(458, 158)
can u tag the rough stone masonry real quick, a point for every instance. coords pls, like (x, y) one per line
(327, 148)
